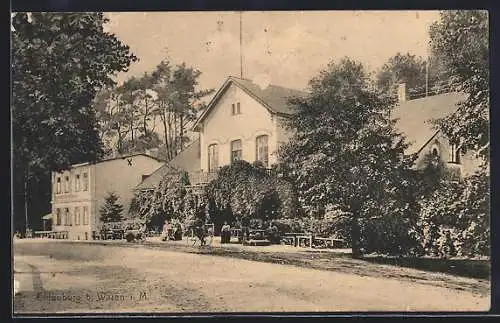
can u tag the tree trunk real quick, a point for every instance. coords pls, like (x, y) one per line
(26, 217)
(181, 132)
(165, 134)
(132, 132)
(144, 119)
(355, 236)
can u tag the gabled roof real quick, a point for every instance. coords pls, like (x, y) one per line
(118, 157)
(273, 97)
(187, 160)
(414, 117)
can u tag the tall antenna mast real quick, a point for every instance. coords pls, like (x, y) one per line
(241, 45)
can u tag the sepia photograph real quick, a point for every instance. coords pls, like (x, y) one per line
(198, 162)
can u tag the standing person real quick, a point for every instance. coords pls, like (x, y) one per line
(164, 234)
(225, 236)
(200, 228)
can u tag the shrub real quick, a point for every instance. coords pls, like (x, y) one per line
(454, 220)
(130, 237)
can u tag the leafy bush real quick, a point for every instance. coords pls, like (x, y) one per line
(129, 236)
(454, 220)
(250, 193)
(389, 235)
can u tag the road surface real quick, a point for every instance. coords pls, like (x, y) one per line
(61, 278)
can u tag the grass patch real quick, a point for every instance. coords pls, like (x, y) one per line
(472, 268)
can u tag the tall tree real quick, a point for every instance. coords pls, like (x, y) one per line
(345, 152)
(460, 37)
(176, 102)
(59, 63)
(400, 68)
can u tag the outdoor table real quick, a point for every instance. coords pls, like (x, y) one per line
(294, 236)
(329, 241)
(289, 240)
(235, 232)
(305, 237)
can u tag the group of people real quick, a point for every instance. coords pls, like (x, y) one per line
(174, 231)
(171, 231)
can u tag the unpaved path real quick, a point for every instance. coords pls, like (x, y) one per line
(94, 278)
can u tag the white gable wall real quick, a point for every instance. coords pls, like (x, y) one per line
(221, 127)
(119, 177)
(469, 163)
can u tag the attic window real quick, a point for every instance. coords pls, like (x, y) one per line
(235, 108)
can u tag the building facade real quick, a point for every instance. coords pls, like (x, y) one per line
(79, 193)
(244, 121)
(415, 120)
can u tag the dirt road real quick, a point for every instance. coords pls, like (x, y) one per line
(57, 278)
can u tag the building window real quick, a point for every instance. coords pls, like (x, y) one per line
(236, 151)
(67, 217)
(77, 183)
(85, 215)
(77, 215)
(66, 184)
(455, 154)
(85, 182)
(58, 216)
(213, 157)
(235, 108)
(58, 186)
(262, 149)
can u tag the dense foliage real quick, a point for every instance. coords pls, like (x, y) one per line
(345, 151)
(421, 76)
(129, 114)
(59, 62)
(455, 219)
(111, 211)
(400, 68)
(460, 37)
(251, 193)
(169, 200)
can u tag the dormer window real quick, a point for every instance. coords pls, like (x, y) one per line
(235, 108)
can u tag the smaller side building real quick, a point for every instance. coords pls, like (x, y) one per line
(414, 119)
(79, 193)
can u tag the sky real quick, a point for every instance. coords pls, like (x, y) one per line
(281, 48)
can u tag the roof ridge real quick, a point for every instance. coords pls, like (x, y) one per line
(270, 84)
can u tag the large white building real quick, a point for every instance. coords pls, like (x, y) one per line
(242, 121)
(79, 193)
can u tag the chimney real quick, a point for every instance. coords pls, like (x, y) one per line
(402, 92)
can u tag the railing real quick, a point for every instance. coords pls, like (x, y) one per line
(201, 177)
(441, 88)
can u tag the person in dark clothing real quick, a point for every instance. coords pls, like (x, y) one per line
(199, 225)
(225, 234)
